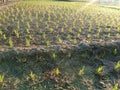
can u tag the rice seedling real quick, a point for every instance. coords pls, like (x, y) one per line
(117, 65)
(2, 78)
(48, 43)
(78, 35)
(28, 25)
(1, 33)
(69, 54)
(74, 41)
(57, 71)
(54, 56)
(44, 35)
(115, 87)
(18, 25)
(62, 30)
(27, 30)
(60, 40)
(16, 33)
(32, 76)
(99, 70)
(81, 71)
(27, 42)
(115, 51)
(31, 36)
(11, 42)
(51, 30)
(4, 37)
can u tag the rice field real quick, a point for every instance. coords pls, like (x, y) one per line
(59, 46)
